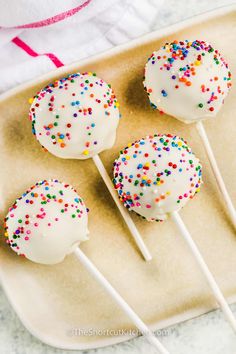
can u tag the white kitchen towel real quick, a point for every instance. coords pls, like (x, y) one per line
(38, 36)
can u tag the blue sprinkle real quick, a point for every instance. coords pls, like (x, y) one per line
(164, 93)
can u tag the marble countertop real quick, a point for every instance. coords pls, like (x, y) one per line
(207, 334)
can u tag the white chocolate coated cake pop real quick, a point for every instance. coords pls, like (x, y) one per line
(187, 80)
(47, 222)
(75, 117)
(157, 175)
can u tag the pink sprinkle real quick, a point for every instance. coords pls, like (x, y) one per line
(148, 206)
(26, 238)
(36, 224)
(56, 219)
(28, 232)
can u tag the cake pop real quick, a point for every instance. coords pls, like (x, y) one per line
(47, 223)
(155, 177)
(47, 210)
(189, 80)
(77, 117)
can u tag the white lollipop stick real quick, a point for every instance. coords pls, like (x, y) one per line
(216, 171)
(211, 281)
(120, 301)
(124, 212)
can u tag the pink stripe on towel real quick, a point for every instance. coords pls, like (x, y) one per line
(53, 19)
(21, 44)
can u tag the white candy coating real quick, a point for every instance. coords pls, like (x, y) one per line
(187, 80)
(47, 222)
(75, 117)
(157, 175)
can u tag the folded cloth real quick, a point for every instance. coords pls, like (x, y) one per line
(36, 38)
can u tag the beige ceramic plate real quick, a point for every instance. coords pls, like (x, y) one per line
(51, 301)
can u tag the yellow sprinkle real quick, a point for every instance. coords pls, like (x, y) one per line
(197, 63)
(127, 157)
(6, 234)
(60, 140)
(129, 144)
(158, 183)
(117, 104)
(31, 100)
(85, 152)
(168, 193)
(180, 143)
(144, 177)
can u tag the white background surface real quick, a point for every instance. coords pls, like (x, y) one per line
(208, 334)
